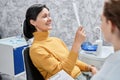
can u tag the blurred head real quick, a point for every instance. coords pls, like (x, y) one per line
(37, 19)
(111, 19)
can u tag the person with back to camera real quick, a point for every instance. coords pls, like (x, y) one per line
(111, 30)
(50, 54)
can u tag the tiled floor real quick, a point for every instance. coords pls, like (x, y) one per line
(8, 77)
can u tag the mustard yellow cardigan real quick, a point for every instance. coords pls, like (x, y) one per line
(50, 55)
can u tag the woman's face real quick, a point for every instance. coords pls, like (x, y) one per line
(106, 28)
(43, 21)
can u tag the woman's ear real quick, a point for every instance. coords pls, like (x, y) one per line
(112, 26)
(32, 22)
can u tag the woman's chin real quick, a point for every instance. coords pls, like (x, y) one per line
(50, 28)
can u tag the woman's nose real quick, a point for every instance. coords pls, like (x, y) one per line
(49, 19)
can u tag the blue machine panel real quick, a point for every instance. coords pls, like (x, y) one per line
(18, 60)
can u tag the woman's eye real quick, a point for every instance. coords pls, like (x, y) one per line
(44, 16)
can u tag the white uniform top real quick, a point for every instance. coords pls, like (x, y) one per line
(111, 68)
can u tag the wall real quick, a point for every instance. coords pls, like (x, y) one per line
(12, 14)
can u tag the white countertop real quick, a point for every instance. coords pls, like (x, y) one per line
(97, 60)
(13, 41)
(106, 51)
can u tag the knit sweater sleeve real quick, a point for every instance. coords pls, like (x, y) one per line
(82, 65)
(43, 59)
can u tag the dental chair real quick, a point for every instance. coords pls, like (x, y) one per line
(31, 71)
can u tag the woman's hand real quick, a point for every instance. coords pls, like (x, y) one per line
(93, 69)
(80, 35)
(79, 38)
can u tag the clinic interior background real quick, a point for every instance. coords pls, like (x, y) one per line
(12, 15)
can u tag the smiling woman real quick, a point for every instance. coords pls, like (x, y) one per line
(50, 54)
(35, 20)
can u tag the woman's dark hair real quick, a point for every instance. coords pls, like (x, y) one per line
(31, 13)
(112, 12)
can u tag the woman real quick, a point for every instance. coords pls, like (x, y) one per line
(111, 30)
(50, 54)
